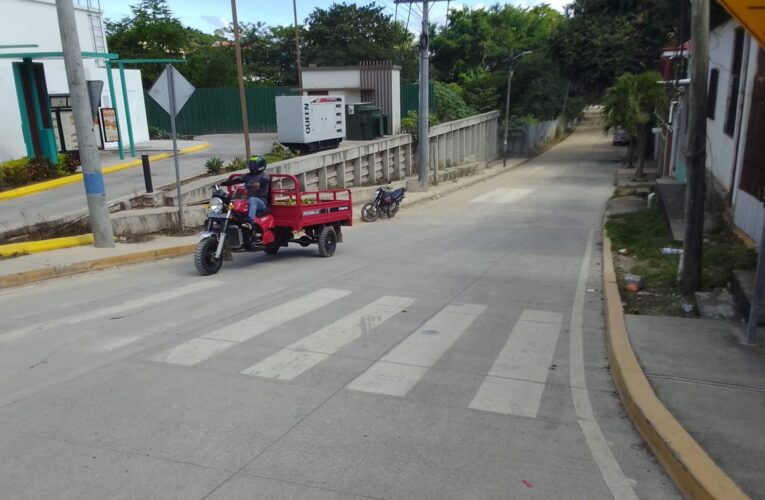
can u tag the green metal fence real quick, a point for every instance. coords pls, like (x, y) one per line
(410, 98)
(216, 111)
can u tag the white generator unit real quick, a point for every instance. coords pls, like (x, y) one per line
(310, 123)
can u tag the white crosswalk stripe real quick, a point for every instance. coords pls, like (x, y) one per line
(503, 195)
(197, 350)
(398, 371)
(516, 381)
(304, 354)
(146, 301)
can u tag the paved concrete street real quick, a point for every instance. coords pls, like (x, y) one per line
(456, 351)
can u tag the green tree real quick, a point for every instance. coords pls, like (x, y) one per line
(475, 48)
(151, 32)
(345, 34)
(603, 39)
(630, 103)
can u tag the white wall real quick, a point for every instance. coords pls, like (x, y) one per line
(721, 146)
(36, 22)
(396, 91)
(331, 79)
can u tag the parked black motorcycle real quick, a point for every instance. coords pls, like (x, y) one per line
(386, 202)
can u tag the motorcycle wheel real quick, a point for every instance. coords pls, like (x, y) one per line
(327, 241)
(271, 249)
(204, 257)
(393, 209)
(369, 212)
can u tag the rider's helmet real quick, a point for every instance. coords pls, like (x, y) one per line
(257, 164)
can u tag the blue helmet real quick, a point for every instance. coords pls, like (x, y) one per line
(257, 164)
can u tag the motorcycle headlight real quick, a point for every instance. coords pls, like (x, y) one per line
(216, 205)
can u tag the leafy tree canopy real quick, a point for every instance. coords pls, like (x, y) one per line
(603, 39)
(475, 48)
(150, 33)
(345, 34)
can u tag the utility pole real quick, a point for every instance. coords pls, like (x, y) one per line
(297, 44)
(507, 102)
(95, 192)
(696, 150)
(240, 77)
(424, 143)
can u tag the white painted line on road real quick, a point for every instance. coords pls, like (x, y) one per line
(276, 316)
(619, 485)
(503, 195)
(491, 195)
(304, 354)
(516, 381)
(192, 352)
(398, 371)
(148, 300)
(114, 344)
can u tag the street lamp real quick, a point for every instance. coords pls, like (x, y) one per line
(507, 101)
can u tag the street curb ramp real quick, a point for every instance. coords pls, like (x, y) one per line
(696, 475)
(94, 265)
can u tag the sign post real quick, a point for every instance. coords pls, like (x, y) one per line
(171, 91)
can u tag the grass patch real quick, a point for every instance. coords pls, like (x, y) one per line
(643, 234)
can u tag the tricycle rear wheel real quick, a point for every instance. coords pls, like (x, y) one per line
(204, 257)
(327, 241)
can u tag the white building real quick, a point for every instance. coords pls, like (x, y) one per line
(735, 123)
(376, 81)
(29, 123)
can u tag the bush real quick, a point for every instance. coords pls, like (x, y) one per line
(13, 173)
(236, 164)
(410, 124)
(282, 152)
(156, 133)
(214, 165)
(450, 105)
(67, 164)
(40, 170)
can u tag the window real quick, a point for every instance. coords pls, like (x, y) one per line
(735, 81)
(714, 76)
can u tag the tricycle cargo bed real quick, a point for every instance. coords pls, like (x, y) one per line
(297, 210)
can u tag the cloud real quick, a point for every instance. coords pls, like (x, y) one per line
(216, 21)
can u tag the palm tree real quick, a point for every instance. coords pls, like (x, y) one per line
(630, 103)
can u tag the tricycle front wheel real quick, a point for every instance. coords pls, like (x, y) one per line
(204, 257)
(327, 241)
(369, 212)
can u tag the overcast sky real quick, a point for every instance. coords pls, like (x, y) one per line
(208, 15)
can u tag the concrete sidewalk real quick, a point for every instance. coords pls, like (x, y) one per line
(712, 384)
(68, 261)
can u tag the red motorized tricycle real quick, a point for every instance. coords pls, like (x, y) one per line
(304, 218)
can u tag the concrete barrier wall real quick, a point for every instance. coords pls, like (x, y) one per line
(471, 139)
(535, 135)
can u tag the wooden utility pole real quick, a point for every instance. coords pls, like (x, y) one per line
(297, 44)
(240, 77)
(696, 149)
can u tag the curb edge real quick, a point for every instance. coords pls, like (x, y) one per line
(694, 473)
(94, 265)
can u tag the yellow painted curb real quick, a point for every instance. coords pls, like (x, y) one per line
(94, 265)
(696, 475)
(27, 247)
(71, 179)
